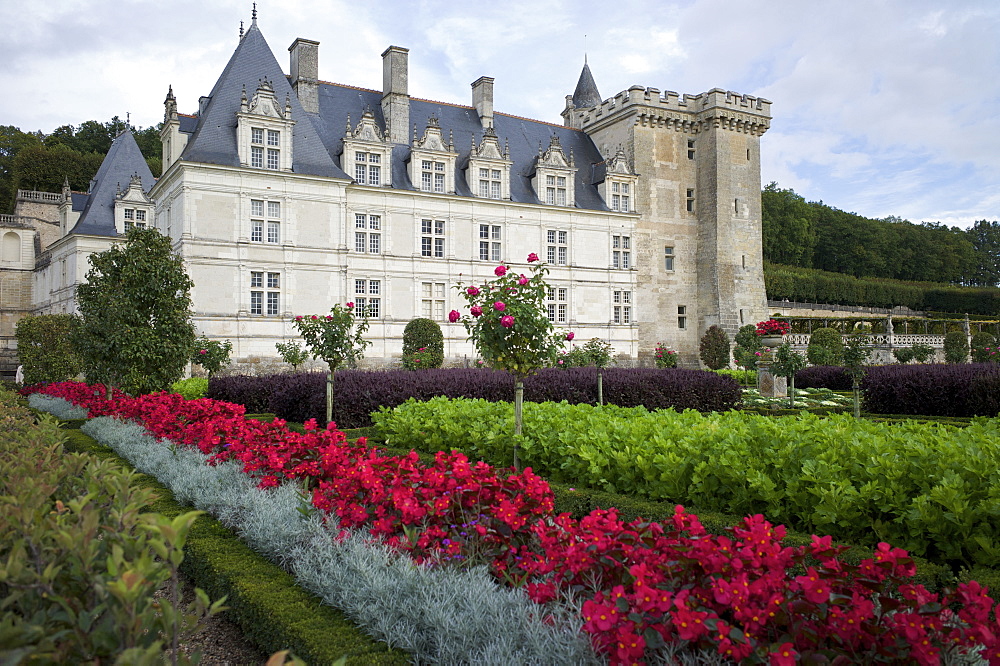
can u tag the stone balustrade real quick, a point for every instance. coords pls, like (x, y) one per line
(33, 195)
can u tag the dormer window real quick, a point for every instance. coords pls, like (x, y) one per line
(368, 149)
(432, 161)
(134, 218)
(488, 173)
(555, 175)
(133, 209)
(431, 176)
(618, 188)
(264, 130)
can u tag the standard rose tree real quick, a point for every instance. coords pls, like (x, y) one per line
(330, 337)
(509, 325)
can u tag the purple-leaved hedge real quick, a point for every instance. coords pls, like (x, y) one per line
(300, 396)
(963, 389)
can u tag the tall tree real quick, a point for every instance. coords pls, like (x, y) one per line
(45, 168)
(985, 239)
(788, 227)
(136, 331)
(12, 141)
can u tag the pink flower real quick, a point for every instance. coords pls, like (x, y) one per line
(500, 271)
(476, 310)
(351, 304)
(570, 335)
(298, 318)
(329, 317)
(506, 321)
(315, 317)
(454, 316)
(523, 280)
(560, 362)
(472, 291)
(532, 257)
(499, 306)
(203, 351)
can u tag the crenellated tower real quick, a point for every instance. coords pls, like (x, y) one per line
(699, 250)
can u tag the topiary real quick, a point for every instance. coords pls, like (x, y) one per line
(423, 334)
(714, 349)
(921, 352)
(984, 347)
(903, 354)
(825, 347)
(956, 347)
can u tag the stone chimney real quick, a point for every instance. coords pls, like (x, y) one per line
(395, 95)
(482, 99)
(305, 72)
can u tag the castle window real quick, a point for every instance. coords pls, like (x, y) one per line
(432, 238)
(134, 218)
(690, 149)
(257, 157)
(490, 242)
(490, 183)
(621, 252)
(368, 241)
(273, 159)
(259, 222)
(273, 137)
(368, 168)
(620, 197)
(258, 296)
(668, 258)
(555, 190)
(432, 300)
(621, 312)
(681, 316)
(690, 200)
(431, 176)
(556, 305)
(257, 135)
(557, 248)
(367, 300)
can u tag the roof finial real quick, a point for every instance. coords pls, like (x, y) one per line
(241, 29)
(585, 49)
(254, 13)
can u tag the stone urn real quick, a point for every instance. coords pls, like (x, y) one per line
(769, 385)
(771, 341)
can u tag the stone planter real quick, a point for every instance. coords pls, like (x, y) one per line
(771, 341)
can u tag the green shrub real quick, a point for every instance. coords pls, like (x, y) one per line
(191, 388)
(213, 355)
(292, 353)
(984, 348)
(748, 347)
(826, 347)
(922, 353)
(423, 336)
(744, 377)
(45, 349)
(664, 357)
(956, 347)
(903, 354)
(714, 348)
(79, 562)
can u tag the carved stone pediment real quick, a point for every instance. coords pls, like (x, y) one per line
(366, 130)
(489, 147)
(432, 139)
(619, 164)
(554, 157)
(265, 102)
(134, 192)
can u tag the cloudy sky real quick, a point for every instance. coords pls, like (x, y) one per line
(881, 107)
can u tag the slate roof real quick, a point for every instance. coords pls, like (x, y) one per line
(586, 94)
(214, 140)
(318, 137)
(122, 161)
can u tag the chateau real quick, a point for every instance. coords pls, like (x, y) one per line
(286, 194)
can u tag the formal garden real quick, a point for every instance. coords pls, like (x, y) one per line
(547, 507)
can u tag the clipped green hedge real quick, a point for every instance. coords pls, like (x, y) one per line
(927, 488)
(263, 598)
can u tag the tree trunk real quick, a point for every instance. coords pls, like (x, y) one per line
(329, 396)
(791, 392)
(600, 387)
(857, 400)
(518, 405)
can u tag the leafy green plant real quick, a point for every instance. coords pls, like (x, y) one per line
(984, 348)
(135, 332)
(336, 338)
(509, 325)
(664, 358)
(292, 353)
(423, 335)
(903, 354)
(191, 388)
(921, 352)
(956, 347)
(826, 347)
(714, 348)
(212, 355)
(748, 348)
(855, 355)
(786, 363)
(45, 349)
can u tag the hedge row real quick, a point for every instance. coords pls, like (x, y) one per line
(933, 390)
(301, 396)
(831, 377)
(815, 286)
